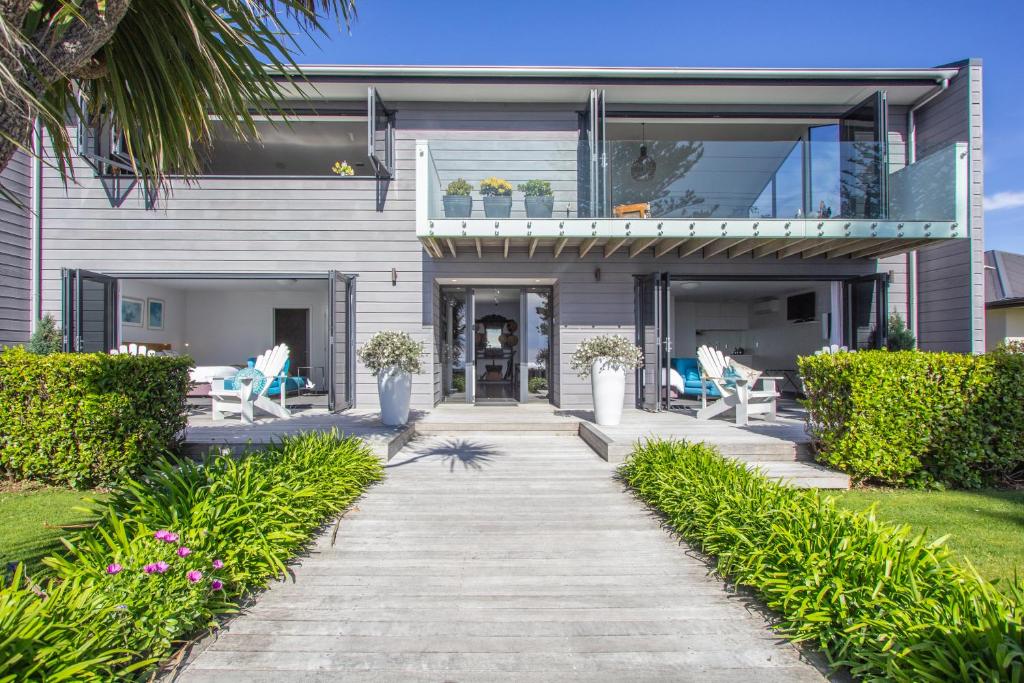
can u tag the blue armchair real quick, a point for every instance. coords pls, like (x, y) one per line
(689, 370)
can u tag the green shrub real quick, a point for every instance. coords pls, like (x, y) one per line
(537, 384)
(917, 418)
(875, 598)
(458, 383)
(83, 420)
(47, 338)
(241, 522)
(900, 338)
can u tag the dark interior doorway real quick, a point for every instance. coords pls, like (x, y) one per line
(291, 327)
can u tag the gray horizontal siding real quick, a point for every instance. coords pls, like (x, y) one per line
(951, 286)
(15, 258)
(320, 224)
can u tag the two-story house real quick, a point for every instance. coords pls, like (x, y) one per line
(767, 212)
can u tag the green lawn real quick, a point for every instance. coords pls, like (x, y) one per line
(30, 521)
(987, 527)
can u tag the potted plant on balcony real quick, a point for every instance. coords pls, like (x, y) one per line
(393, 357)
(605, 359)
(497, 193)
(457, 201)
(539, 199)
(343, 168)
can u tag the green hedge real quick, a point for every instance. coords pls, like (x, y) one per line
(110, 613)
(918, 418)
(84, 420)
(875, 598)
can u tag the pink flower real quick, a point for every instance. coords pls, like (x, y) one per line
(161, 567)
(216, 584)
(161, 535)
(184, 552)
(170, 538)
(218, 564)
(149, 569)
(194, 576)
(114, 568)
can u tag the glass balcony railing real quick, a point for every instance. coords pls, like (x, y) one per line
(688, 179)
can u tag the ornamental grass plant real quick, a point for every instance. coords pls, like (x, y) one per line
(874, 597)
(172, 552)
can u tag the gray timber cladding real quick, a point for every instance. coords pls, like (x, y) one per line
(15, 247)
(252, 224)
(951, 288)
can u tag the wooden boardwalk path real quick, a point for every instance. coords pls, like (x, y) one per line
(498, 557)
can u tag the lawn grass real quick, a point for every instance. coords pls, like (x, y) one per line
(986, 527)
(30, 521)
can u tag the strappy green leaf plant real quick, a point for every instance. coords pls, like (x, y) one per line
(171, 553)
(876, 598)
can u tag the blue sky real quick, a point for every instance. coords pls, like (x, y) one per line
(865, 33)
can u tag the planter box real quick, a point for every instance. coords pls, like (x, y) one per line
(497, 207)
(539, 207)
(457, 206)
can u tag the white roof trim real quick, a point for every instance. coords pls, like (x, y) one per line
(616, 72)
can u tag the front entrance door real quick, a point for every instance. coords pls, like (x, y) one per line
(291, 327)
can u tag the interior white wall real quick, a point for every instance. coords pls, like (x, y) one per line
(226, 327)
(174, 314)
(768, 340)
(1001, 323)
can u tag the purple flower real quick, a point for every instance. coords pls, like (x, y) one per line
(184, 552)
(149, 569)
(218, 564)
(216, 584)
(194, 576)
(161, 535)
(170, 538)
(114, 568)
(161, 567)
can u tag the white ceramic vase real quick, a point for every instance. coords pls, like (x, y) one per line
(608, 384)
(394, 388)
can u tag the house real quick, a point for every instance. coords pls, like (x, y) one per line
(1004, 297)
(763, 211)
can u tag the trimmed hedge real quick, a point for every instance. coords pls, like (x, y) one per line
(86, 420)
(875, 598)
(171, 553)
(918, 418)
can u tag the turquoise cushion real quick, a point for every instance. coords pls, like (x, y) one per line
(730, 376)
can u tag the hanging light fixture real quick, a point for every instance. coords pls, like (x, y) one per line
(643, 167)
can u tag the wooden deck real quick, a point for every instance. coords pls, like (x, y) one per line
(780, 449)
(491, 556)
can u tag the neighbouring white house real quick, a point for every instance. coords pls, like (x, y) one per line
(1004, 297)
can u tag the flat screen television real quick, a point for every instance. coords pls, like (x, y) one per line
(800, 307)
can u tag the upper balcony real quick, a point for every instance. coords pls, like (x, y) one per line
(735, 190)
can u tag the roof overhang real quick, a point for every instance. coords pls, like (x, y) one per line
(624, 85)
(1017, 302)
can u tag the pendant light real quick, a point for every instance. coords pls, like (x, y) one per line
(643, 167)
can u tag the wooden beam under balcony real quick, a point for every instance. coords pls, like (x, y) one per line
(613, 245)
(718, 246)
(667, 245)
(451, 247)
(795, 247)
(559, 246)
(693, 246)
(586, 246)
(479, 247)
(641, 245)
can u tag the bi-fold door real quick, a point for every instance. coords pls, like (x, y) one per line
(90, 316)
(652, 335)
(341, 349)
(866, 306)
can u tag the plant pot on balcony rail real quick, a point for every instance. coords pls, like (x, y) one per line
(497, 206)
(457, 206)
(539, 206)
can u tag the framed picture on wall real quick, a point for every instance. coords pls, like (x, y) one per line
(132, 311)
(155, 314)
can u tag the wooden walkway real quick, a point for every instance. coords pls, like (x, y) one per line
(499, 557)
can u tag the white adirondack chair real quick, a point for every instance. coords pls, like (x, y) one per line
(249, 390)
(737, 393)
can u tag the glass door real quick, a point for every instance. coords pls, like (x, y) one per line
(651, 306)
(452, 345)
(91, 313)
(498, 344)
(866, 302)
(863, 159)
